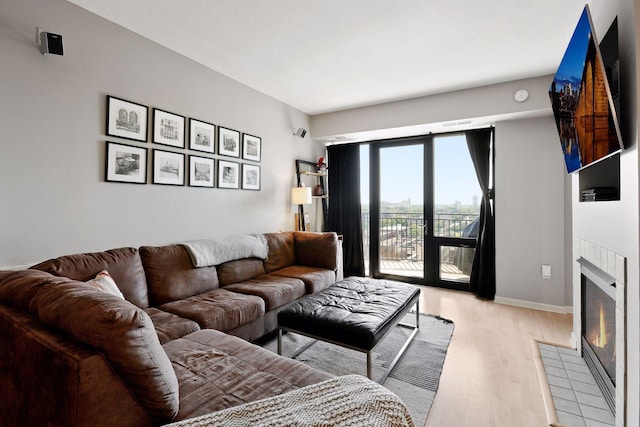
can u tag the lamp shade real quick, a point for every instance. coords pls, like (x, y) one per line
(301, 196)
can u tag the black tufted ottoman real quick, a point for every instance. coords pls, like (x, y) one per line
(355, 313)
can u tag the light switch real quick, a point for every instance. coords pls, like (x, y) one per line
(546, 271)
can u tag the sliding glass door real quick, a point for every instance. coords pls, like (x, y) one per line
(423, 210)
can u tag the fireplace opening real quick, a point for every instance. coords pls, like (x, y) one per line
(599, 332)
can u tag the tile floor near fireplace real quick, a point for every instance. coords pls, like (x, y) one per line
(577, 398)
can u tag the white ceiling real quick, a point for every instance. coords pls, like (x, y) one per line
(328, 55)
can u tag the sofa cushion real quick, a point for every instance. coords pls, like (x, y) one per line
(218, 309)
(171, 275)
(105, 283)
(217, 371)
(122, 332)
(316, 249)
(281, 251)
(315, 279)
(239, 270)
(123, 264)
(169, 326)
(276, 291)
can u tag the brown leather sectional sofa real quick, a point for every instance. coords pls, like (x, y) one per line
(176, 347)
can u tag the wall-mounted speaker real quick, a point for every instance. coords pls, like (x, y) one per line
(51, 44)
(301, 132)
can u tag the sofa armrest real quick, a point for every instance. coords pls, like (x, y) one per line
(47, 378)
(317, 249)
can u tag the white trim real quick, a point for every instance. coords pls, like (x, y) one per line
(574, 342)
(532, 305)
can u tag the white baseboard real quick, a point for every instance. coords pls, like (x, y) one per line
(534, 305)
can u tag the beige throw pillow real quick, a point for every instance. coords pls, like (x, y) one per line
(104, 282)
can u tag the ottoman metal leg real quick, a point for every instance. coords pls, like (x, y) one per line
(414, 331)
(298, 351)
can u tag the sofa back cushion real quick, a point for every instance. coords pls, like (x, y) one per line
(123, 332)
(171, 275)
(123, 264)
(281, 251)
(17, 288)
(316, 249)
(239, 270)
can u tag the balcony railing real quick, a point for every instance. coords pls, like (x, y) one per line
(402, 234)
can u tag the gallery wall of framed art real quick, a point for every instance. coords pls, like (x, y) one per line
(184, 151)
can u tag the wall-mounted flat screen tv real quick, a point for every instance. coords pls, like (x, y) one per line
(582, 103)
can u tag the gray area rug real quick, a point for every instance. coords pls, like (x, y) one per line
(414, 379)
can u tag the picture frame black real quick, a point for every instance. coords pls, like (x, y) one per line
(168, 168)
(250, 177)
(125, 163)
(228, 174)
(228, 142)
(201, 172)
(168, 128)
(127, 119)
(202, 136)
(251, 147)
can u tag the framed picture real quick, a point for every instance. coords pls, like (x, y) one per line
(250, 177)
(228, 142)
(126, 119)
(201, 135)
(168, 128)
(126, 163)
(228, 174)
(201, 171)
(168, 168)
(251, 147)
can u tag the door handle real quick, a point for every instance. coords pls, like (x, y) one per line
(425, 228)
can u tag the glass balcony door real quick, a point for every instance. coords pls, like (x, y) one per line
(399, 210)
(421, 219)
(455, 202)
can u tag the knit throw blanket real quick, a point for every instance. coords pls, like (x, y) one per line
(208, 252)
(350, 400)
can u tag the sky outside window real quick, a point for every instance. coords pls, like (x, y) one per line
(455, 175)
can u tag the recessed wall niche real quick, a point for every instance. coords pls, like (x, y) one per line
(600, 181)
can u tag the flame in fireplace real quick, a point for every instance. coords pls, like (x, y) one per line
(601, 338)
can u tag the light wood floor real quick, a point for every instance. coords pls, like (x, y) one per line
(489, 376)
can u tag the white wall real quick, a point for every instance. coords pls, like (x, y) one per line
(615, 225)
(53, 197)
(530, 210)
(482, 105)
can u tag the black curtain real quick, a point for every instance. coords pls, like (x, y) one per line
(345, 215)
(483, 271)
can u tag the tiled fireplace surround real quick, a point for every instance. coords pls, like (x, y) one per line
(616, 266)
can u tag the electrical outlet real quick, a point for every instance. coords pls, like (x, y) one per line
(546, 271)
